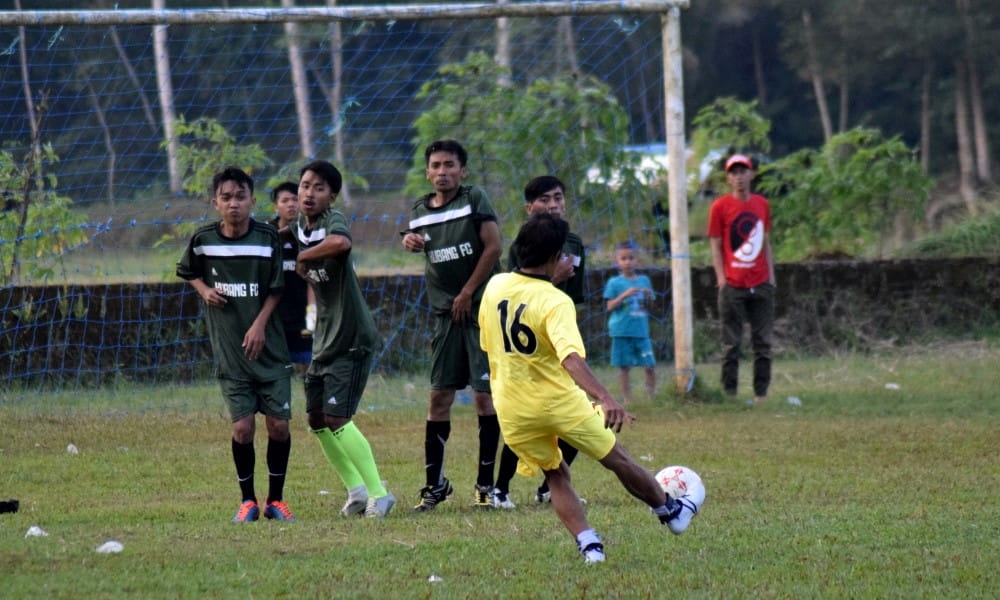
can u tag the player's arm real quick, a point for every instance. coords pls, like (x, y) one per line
(615, 302)
(614, 415)
(254, 339)
(718, 262)
(770, 260)
(489, 234)
(332, 245)
(209, 294)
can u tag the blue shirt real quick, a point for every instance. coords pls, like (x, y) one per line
(630, 318)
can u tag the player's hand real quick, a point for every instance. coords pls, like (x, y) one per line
(413, 242)
(461, 308)
(213, 298)
(253, 342)
(302, 269)
(564, 269)
(615, 415)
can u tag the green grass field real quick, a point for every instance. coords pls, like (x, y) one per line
(860, 492)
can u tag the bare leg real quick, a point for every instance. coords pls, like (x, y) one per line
(626, 385)
(651, 382)
(637, 480)
(565, 501)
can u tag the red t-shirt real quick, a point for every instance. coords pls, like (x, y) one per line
(743, 227)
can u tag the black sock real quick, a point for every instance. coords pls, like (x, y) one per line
(244, 457)
(569, 453)
(489, 439)
(277, 466)
(434, 442)
(507, 468)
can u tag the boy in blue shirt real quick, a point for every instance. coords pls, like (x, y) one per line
(628, 321)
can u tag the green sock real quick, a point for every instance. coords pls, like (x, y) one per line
(356, 446)
(338, 457)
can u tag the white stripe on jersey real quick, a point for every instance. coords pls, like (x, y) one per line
(317, 235)
(437, 219)
(231, 250)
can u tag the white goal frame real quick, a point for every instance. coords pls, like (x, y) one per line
(669, 11)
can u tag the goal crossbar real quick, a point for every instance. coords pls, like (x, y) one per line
(334, 13)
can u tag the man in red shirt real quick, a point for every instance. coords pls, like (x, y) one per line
(739, 227)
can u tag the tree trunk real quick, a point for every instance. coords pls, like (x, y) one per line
(300, 86)
(568, 39)
(29, 98)
(979, 129)
(844, 99)
(108, 142)
(816, 76)
(965, 166)
(758, 70)
(925, 118)
(166, 91)
(334, 98)
(502, 55)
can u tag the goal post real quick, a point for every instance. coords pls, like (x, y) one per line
(78, 72)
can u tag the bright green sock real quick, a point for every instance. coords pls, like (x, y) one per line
(338, 457)
(354, 443)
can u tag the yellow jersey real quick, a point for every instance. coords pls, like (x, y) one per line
(528, 327)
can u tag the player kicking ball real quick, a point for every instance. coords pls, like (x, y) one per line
(528, 329)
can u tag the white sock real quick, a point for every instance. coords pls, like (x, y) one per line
(587, 537)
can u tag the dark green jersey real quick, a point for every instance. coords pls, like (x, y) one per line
(574, 285)
(452, 244)
(343, 321)
(246, 271)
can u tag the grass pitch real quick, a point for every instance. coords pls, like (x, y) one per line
(862, 491)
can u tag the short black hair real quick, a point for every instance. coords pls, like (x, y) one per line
(231, 174)
(286, 186)
(446, 146)
(540, 238)
(541, 185)
(327, 171)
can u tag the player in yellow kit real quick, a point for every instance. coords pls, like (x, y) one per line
(540, 382)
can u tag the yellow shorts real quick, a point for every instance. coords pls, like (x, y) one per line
(535, 440)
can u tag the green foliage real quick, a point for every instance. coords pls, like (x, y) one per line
(977, 237)
(565, 125)
(727, 125)
(841, 198)
(47, 231)
(206, 147)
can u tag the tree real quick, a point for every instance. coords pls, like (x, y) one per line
(565, 126)
(841, 198)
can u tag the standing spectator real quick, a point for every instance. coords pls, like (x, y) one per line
(529, 331)
(297, 307)
(739, 228)
(628, 322)
(235, 265)
(344, 342)
(547, 194)
(456, 229)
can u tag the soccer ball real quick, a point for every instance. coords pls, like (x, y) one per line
(681, 481)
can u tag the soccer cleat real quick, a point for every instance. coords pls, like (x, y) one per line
(502, 500)
(430, 497)
(484, 496)
(277, 510)
(380, 507)
(543, 495)
(357, 501)
(248, 512)
(593, 553)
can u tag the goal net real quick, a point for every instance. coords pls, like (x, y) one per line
(114, 121)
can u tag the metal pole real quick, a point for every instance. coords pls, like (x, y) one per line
(680, 261)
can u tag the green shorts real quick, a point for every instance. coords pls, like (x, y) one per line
(244, 398)
(336, 387)
(457, 360)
